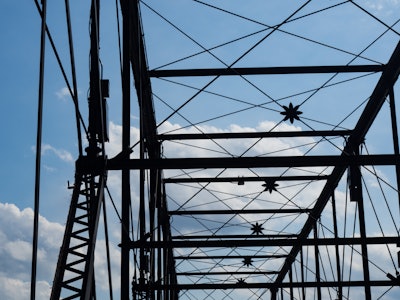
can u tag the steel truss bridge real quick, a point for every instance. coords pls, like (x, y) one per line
(264, 161)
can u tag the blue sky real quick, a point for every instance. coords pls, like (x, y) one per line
(346, 27)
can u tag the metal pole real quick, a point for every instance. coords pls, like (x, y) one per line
(38, 151)
(317, 267)
(358, 194)
(126, 198)
(335, 230)
(364, 250)
(395, 135)
(291, 283)
(303, 290)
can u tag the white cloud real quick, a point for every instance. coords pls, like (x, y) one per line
(16, 252)
(17, 289)
(19, 250)
(63, 93)
(49, 169)
(113, 147)
(385, 6)
(62, 154)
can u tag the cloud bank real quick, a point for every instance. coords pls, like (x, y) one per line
(16, 252)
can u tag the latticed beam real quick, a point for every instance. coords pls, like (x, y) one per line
(75, 266)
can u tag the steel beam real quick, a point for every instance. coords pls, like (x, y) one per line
(233, 236)
(251, 135)
(194, 257)
(239, 211)
(265, 242)
(244, 179)
(251, 162)
(268, 285)
(267, 71)
(227, 273)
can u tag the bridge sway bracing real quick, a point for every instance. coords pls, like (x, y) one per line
(255, 154)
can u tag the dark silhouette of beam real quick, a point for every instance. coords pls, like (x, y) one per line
(251, 135)
(249, 162)
(267, 71)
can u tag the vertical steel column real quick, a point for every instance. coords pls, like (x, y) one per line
(335, 231)
(155, 186)
(38, 152)
(142, 232)
(96, 126)
(168, 257)
(143, 266)
(160, 265)
(363, 234)
(152, 227)
(291, 282)
(317, 267)
(125, 181)
(364, 250)
(395, 145)
(274, 292)
(395, 136)
(303, 290)
(106, 237)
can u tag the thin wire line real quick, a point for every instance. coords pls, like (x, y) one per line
(215, 142)
(74, 83)
(375, 173)
(352, 60)
(261, 105)
(377, 19)
(119, 36)
(377, 219)
(53, 46)
(280, 30)
(228, 66)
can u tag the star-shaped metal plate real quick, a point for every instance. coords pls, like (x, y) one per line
(257, 228)
(247, 261)
(291, 112)
(270, 186)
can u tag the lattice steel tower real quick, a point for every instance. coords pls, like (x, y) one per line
(264, 160)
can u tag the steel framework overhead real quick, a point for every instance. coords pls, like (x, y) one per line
(263, 162)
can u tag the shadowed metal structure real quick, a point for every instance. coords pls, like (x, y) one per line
(249, 173)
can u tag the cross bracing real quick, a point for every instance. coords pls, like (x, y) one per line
(264, 159)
